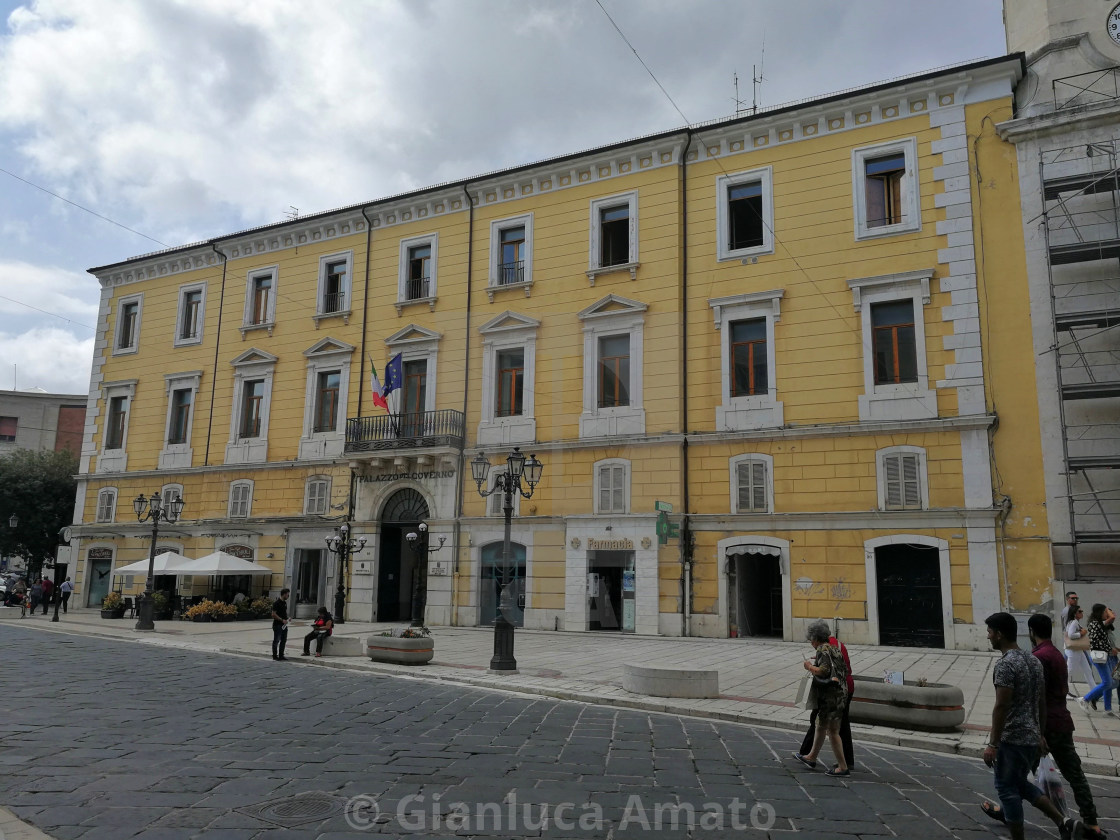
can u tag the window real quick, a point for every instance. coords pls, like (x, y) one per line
(902, 480)
(612, 368)
(614, 234)
(128, 325)
(748, 358)
(191, 308)
(612, 486)
(751, 483)
(896, 380)
(8, 427)
(324, 418)
(748, 377)
(495, 502)
(318, 497)
(180, 415)
(511, 254)
(107, 505)
(614, 371)
(260, 300)
(509, 348)
(252, 405)
(170, 493)
(745, 214)
(334, 286)
(116, 397)
(240, 499)
(418, 269)
(419, 349)
(413, 392)
(115, 423)
(885, 189)
(511, 383)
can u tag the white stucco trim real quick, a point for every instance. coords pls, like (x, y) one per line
(756, 411)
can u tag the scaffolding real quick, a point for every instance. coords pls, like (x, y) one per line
(1081, 210)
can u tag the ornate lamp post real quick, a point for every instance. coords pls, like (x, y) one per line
(507, 484)
(343, 545)
(153, 509)
(418, 542)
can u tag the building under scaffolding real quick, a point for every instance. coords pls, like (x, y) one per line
(1067, 146)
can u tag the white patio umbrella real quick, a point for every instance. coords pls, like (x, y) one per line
(167, 563)
(221, 564)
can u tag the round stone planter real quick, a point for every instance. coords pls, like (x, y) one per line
(934, 706)
(400, 651)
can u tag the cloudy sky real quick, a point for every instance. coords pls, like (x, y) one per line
(177, 121)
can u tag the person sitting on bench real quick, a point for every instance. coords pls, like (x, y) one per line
(320, 629)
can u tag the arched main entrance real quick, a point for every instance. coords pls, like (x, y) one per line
(397, 569)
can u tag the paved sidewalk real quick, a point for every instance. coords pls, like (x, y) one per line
(758, 679)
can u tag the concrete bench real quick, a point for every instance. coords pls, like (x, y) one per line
(10, 612)
(343, 646)
(670, 682)
(910, 706)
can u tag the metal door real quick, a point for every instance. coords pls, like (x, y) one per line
(909, 584)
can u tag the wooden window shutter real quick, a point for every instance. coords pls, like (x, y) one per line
(758, 486)
(892, 468)
(618, 486)
(911, 481)
(604, 489)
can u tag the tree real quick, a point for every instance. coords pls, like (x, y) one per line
(38, 487)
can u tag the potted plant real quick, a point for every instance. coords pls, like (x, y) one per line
(112, 606)
(199, 612)
(161, 607)
(409, 646)
(262, 608)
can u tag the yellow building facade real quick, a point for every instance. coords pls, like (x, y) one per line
(804, 331)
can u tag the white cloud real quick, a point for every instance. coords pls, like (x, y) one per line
(48, 294)
(49, 358)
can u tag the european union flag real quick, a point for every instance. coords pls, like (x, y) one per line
(394, 375)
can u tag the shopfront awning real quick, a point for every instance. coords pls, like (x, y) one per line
(167, 563)
(754, 548)
(220, 564)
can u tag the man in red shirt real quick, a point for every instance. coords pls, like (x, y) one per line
(845, 724)
(48, 591)
(1057, 727)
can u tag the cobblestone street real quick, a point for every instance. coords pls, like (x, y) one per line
(111, 740)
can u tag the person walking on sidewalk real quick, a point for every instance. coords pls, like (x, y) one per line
(1099, 652)
(1016, 736)
(845, 723)
(280, 625)
(66, 590)
(48, 593)
(828, 688)
(1058, 727)
(320, 630)
(1070, 607)
(36, 594)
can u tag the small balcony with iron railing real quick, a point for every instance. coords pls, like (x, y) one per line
(408, 431)
(511, 273)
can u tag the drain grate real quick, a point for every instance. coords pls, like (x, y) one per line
(290, 811)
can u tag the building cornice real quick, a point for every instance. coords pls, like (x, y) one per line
(1064, 121)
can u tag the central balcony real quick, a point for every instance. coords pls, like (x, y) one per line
(444, 428)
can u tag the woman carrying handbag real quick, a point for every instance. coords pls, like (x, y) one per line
(1099, 652)
(1078, 665)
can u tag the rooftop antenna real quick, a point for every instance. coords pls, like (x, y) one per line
(292, 212)
(739, 109)
(756, 80)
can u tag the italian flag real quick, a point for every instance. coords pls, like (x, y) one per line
(375, 385)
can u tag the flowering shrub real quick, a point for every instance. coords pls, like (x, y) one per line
(113, 601)
(409, 633)
(213, 609)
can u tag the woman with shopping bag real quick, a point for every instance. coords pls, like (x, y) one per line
(1099, 652)
(1078, 665)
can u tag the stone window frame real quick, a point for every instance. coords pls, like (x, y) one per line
(106, 512)
(763, 175)
(597, 484)
(134, 345)
(180, 311)
(243, 484)
(733, 465)
(911, 199)
(881, 489)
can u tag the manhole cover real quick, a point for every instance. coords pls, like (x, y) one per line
(295, 810)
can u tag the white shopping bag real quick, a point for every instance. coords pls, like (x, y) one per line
(1050, 781)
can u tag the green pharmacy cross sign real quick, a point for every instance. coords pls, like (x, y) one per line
(665, 528)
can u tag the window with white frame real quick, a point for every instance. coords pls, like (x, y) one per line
(511, 253)
(170, 492)
(748, 378)
(334, 285)
(612, 486)
(509, 351)
(417, 274)
(893, 338)
(107, 504)
(752, 483)
(182, 388)
(318, 497)
(240, 499)
(325, 399)
(191, 312)
(614, 234)
(252, 404)
(902, 479)
(127, 338)
(495, 503)
(613, 335)
(419, 349)
(745, 214)
(885, 189)
(116, 402)
(260, 299)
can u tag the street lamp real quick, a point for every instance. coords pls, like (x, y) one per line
(155, 510)
(507, 484)
(418, 542)
(343, 545)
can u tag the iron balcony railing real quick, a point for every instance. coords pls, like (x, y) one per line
(445, 427)
(417, 288)
(1086, 88)
(333, 302)
(511, 272)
